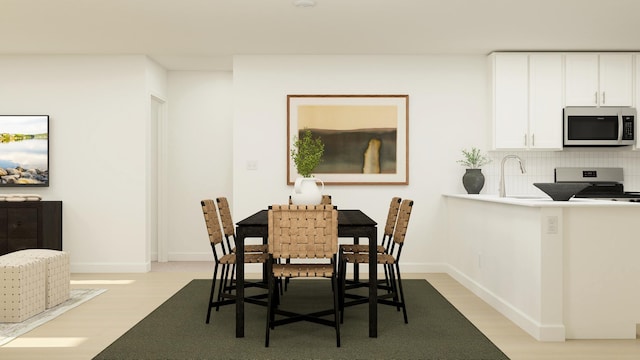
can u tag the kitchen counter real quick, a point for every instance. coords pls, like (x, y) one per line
(558, 269)
(533, 201)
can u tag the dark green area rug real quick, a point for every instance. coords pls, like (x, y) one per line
(177, 330)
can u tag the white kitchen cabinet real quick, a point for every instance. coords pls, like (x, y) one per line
(527, 100)
(510, 100)
(599, 79)
(545, 101)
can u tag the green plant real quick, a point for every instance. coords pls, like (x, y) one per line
(473, 159)
(307, 153)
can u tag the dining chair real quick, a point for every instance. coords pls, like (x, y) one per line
(228, 227)
(299, 232)
(222, 256)
(389, 227)
(326, 200)
(390, 259)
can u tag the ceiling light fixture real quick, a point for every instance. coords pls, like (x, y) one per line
(304, 3)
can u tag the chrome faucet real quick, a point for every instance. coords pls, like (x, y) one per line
(501, 189)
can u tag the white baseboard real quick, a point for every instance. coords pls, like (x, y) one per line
(525, 322)
(110, 267)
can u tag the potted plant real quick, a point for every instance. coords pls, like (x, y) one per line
(473, 160)
(306, 154)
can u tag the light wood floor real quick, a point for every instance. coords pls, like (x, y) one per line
(83, 332)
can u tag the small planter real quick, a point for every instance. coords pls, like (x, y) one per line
(473, 181)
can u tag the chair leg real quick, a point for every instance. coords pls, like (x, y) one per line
(213, 288)
(334, 285)
(271, 281)
(223, 281)
(341, 286)
(403, 304)
(386, 277)
(394, 287)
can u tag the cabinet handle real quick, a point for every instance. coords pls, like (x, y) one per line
(525, 139)
(596, 97)
(533, 140)
(603, 98)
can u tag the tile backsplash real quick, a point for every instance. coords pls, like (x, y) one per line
(539, 167)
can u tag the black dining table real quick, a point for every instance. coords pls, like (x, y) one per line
(351, 224)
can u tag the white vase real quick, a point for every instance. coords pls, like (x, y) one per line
(306, 191)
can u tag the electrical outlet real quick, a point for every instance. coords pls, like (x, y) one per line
(252, 165)
(552, 225)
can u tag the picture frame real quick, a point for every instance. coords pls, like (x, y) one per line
(366, 137)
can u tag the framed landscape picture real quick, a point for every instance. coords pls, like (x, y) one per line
(366, 137)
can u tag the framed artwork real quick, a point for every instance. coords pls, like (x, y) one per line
(366, 137)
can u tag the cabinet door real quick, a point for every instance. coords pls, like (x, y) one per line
(4, 243)
(616, 80)
(22, 228)
(581, 80)
(510, 97)
(545, 101)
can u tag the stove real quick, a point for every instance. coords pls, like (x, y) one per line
(605, 183)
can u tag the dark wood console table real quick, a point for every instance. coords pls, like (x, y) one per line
(30, 225)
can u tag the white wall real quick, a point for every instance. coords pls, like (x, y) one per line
(199, 150)
(98, 107)
(448, 109)
(218, 121)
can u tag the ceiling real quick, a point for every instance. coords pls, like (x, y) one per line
(205, 34)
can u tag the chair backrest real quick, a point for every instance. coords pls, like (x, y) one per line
(392, 216)
(326, 200)
(211, 221)
(225, 216)
(303, 231)
(403, 221)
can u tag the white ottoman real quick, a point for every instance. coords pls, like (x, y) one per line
(58, 275)
(22, 287)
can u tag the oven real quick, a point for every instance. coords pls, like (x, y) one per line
(605, 183)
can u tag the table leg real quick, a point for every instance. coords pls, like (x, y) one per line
(240, 237)
(265, 241)
(373, 283)
(356, 266)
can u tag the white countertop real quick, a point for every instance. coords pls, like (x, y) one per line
(534, 201)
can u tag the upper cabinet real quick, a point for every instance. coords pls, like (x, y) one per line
(599, 79)
(527, 100)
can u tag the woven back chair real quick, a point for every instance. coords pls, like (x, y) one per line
(390, 259)
(229, 229)
(383, 247)
(302, 232)
(389, 228)
(326, 200)
(223, 257)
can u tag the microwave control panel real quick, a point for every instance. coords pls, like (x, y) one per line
(627, 130)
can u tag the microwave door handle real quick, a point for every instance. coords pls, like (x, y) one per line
(619, 126)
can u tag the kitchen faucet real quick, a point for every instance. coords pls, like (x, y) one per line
(501, 189)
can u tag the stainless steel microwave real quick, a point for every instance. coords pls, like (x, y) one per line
(599, 126)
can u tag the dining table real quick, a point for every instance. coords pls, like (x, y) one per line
(351, 224)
